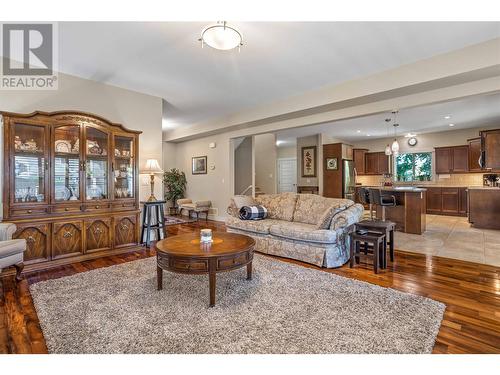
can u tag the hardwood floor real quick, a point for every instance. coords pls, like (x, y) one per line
(471, 292)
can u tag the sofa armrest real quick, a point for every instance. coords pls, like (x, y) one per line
(346, 218)
(6, 231)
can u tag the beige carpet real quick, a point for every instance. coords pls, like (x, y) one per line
(284, 309)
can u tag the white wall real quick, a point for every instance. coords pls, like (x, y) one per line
(243, 167)
(132, 109)
(265, 162)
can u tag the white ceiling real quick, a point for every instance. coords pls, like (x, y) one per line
(278, 60)
(466, 113)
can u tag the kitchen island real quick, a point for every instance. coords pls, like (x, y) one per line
(410, 210)
(484, 207)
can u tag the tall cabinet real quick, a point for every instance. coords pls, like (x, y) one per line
(71, 186)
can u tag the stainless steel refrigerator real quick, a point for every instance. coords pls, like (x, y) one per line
(348, 180)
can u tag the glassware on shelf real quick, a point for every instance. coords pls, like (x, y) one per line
(96, 179)
(67, 177)
(124, 172)
(29, 163)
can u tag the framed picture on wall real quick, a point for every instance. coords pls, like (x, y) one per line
(332, 164)
(199, 165)
(309, 161)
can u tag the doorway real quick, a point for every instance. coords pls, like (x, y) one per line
(287, 175)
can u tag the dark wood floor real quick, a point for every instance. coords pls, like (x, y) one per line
(471, 292)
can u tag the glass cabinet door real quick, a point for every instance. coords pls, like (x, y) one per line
(67, 163)
(30, 163)
(123, 167)
(96, 165)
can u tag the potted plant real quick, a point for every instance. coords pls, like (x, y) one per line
(175, 186)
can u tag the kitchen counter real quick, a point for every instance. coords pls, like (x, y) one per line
(409, 214)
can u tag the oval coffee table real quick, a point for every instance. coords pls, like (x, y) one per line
(186, 254)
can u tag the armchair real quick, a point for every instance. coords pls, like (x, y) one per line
(11, 251)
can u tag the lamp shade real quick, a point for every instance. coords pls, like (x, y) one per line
(152, 167)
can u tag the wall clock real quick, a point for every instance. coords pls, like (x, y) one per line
(412, 141)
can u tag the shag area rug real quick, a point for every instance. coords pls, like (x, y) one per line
(285, 309)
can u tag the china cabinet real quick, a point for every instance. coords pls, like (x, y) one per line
(70, 185)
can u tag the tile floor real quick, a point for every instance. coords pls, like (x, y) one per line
(453, 237)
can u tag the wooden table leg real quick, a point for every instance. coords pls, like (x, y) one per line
(391, 245)
(249, 271)
(159, 277)
(211, 280)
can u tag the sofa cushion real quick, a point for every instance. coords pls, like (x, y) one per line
(318, 210)
(279, 206)
(303, 232)
(255, 226)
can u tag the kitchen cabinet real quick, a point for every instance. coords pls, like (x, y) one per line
(462, 201)
(358, 155)
(447, 201)
(474, 154)
(490, 145)
(434, 205)
(452, 159)
(376, 163)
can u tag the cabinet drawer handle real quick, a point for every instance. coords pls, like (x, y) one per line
(98, 231)
(66, 208)
(30, 239)
(97, 207)
(67, 234)
(29, 211)
(123, 227)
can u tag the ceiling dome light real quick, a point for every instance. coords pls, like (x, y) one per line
(221, 36)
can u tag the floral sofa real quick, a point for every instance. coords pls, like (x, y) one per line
(306, 227)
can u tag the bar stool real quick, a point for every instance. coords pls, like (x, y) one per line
(384, 227)
(153, 218)
(364, 198)
(383, 200)
(377, 241)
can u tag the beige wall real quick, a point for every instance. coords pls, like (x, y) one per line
(132, 109)
(287, 152)
(313, 140)
(265, 162)
(243, 167)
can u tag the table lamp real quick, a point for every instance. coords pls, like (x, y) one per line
(152, 167)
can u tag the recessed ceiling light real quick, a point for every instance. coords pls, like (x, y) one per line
(447, 117)
(358, 131)
(452, 124)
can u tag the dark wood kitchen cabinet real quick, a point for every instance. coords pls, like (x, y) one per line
(490, 145)
(447, 201)
(371, 163)
(434, 204)
(444, 163)
(376, 163)
(358, 155)
(460, 157)
(452, 159)
(462, 201)
(474, 154)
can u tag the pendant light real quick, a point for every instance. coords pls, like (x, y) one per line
(395, 144)
(388, 150)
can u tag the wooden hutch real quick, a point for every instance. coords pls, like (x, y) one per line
(70, 186)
